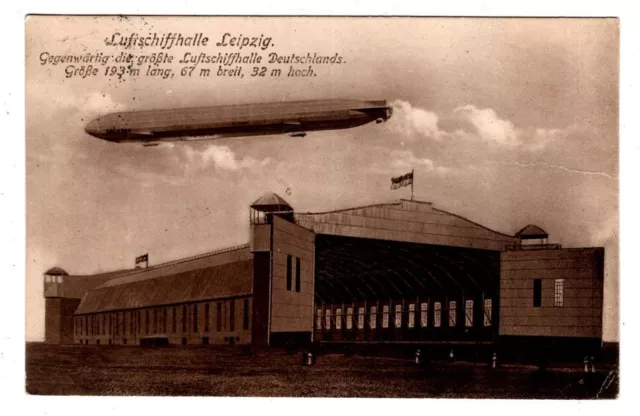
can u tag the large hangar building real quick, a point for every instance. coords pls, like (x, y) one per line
(395, 273)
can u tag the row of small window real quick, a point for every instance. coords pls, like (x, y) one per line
(335, 321)
(52, 279)
(156, 320)
(558, 293)
(293, 286)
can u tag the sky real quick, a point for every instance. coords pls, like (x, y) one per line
(507, 122)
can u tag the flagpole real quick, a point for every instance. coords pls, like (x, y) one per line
(412, 179)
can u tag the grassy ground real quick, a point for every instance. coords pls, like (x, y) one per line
(226, 371)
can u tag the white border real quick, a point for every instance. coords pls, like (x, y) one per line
(12, 208)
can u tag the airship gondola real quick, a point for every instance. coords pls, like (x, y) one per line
(294, 118)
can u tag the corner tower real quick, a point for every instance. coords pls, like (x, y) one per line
(283, 278)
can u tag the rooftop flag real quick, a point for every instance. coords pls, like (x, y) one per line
(142, 259)
(402, 181)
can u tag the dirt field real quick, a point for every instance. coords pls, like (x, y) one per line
(226, 371)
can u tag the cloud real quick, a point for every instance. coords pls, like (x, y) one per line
(406, 159)
(220, 157)
(410, 121)
(468, 123)
(488, 126)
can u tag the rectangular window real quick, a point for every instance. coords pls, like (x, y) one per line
(225, 321)
(206, 317)
(184, 318)
(327, 319)
(468, 313)
(232, 315)
(297, 274)
(537, 293)
(452, 313)
(373, 317)
(558, 297)
(385, 316)
(487, 312)
(132, 323)
(138, 317)
(338, 318)
(124, 323)
(104, 324)
(116, 323)
(437, 314)
(219, 317)
(360, 318)
(156, 321)
(349, 318)
(195, 318)
(398, 321)
(245, 315)
(319, 319)
(412, 315)
(174, 320)
(164, 319)
(288, 272)
(424, 315)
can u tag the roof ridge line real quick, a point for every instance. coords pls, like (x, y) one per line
(183, 260)
(349, 209)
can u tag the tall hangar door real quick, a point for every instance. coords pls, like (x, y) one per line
(372, 290)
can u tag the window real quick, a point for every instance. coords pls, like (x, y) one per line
(385, 316)
(174, 320)
(398, 321)
(437, 317)
(194, 316)
(424, 316)
(297, 274)
(338, 318)
(412, 315)
(360, 318)
(164, 320)
(132, 323)
(59, 279)
(146, 322)
(245, 315)
(373, 320)
(487, 312)
(206, 317)
(219, 317)
(138, 322)
(319, 319)
(558, 297)
(537, 293)
(156, 321)
(288, 272)
(116, 323)
(232, 315)
(468, 313)
(184, 318)
(327, 319)
(452, 313)
(349, 318)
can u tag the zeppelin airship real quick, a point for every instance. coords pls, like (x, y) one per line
(294, 118)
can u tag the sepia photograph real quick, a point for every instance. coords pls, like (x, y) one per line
(358, 207)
